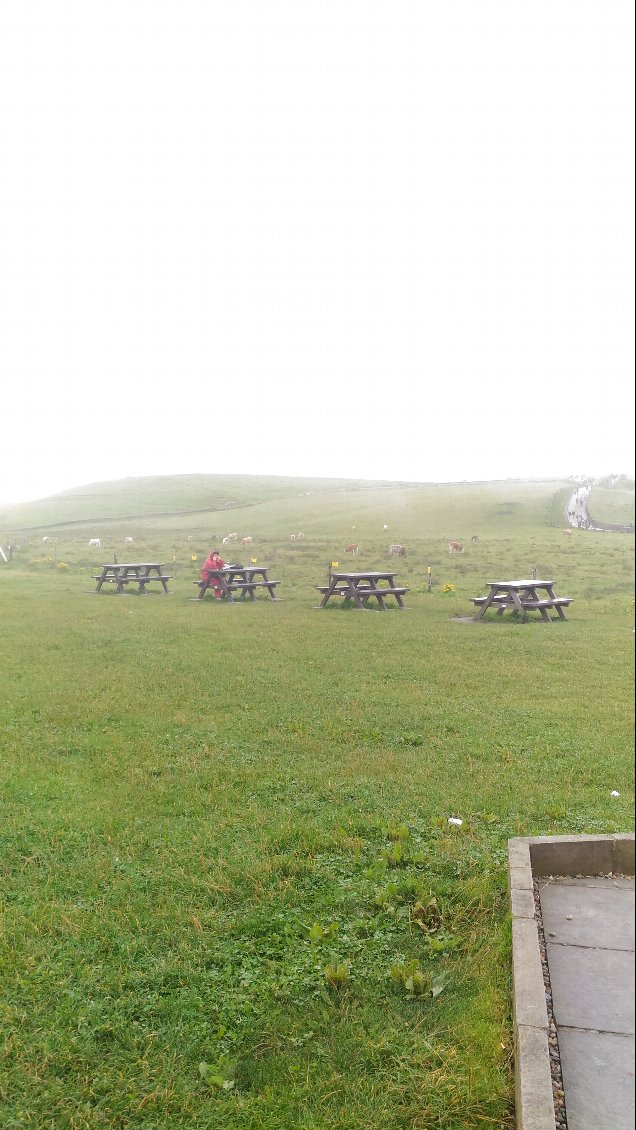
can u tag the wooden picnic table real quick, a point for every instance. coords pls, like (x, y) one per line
(360, 587)
(522, 596)
(140, 572)
(238, 580)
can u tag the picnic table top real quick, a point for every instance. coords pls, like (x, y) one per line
(532, 583)
(132, 565)
(242, 568)
(236, 569)
(367, 574)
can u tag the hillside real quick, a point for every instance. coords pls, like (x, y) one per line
(612, 505)
(164, 495)
(211, 505)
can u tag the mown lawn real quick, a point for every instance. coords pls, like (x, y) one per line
(205, 808)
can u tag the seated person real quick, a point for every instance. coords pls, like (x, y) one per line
(214, 561)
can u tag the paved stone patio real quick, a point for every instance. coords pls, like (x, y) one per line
(589, 933)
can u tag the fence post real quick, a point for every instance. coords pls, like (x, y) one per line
(429, 578)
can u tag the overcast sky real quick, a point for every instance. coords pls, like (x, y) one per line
(333, 237)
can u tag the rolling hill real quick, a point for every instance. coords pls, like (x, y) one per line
(214, 504)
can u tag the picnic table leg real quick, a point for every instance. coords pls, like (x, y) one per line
(366, 597)
(484, 608)
(329, 592)
(355, 595)
(531, 594)
(558, 609)
(518, 605)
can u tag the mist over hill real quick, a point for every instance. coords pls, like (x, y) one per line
(274, 504)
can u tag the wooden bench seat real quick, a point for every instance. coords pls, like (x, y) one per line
(381, 592)
(501, 598)
(124, 580)
(336, 592)
(546, 603)
(141, 581)
(232, 585)
(243, 587)
(362, 591)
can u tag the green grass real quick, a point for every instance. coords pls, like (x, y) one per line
(168, 495)
(612, 506)
(188, 789)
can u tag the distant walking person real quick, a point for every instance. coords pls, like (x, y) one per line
(213, 562)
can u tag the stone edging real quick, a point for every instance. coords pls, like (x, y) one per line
(530, 856)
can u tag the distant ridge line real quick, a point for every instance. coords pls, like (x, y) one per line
(386, 485)
(137, 517)
(348, 487)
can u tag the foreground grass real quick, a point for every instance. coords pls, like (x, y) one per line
(204, 807)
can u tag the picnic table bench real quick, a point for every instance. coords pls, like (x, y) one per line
(237, 579)
(521, 596)
(360, 587)
(141, 573)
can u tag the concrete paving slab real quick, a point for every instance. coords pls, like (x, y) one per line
(598, 1078)
(585, 919)
(625, 883)
(592, 988)
(588, 916)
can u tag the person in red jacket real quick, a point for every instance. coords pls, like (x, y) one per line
(214, 561)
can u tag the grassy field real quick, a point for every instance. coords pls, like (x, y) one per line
(613, 506)
(230, 894)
